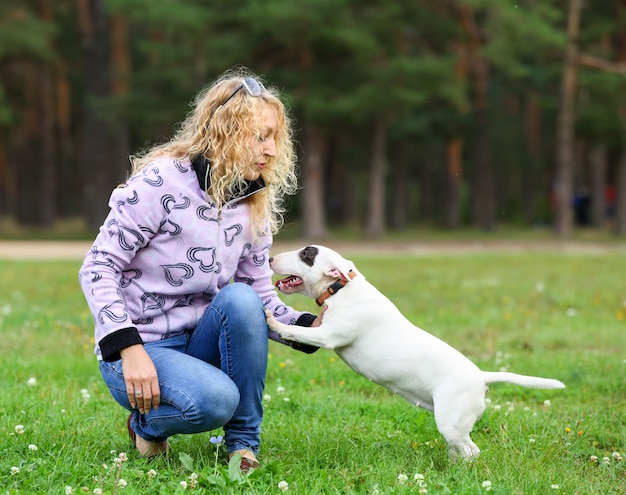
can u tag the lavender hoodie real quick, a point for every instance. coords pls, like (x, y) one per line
(163, 253)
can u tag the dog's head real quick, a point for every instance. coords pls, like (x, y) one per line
(311, 270)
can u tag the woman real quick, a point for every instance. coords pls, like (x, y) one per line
(178, 277)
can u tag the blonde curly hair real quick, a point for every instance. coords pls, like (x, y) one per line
(223, 137)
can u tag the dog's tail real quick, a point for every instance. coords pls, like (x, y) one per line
(522, 380)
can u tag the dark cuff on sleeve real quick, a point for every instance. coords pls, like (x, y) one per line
(112, 344)
(305, 320)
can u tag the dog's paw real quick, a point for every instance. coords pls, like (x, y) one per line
(271, 321)
(276, 326)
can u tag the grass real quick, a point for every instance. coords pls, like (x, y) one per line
(326, 429)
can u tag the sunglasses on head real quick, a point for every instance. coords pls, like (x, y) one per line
(251, 85)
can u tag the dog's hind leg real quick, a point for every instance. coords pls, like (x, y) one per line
(455, 420)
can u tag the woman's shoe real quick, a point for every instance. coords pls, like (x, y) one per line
(145, 448)
(248, 460)
(248, 464)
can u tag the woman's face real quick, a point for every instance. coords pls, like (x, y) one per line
(265, 143)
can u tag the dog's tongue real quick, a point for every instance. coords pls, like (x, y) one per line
(287, 285)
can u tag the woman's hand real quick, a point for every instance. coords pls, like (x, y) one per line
(140, 375)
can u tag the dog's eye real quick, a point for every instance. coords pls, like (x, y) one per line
(308, 254)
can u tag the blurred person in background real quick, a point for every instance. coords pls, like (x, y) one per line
(178, 278)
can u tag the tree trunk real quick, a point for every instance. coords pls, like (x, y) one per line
(563, 184)
(484, 193)
(620, 213)
(452, 195)
(620, 52)
(532, 182)
(25, 147)
(375, 222)
(8, 187)
(71, 189)
(312, 196)
(400, 190)
(483, 187)
(48, 189)
(120, 59)
(94, 139)
(598, 164)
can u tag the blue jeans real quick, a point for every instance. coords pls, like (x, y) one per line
(209, 378)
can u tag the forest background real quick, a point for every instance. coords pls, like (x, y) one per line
(445, 113)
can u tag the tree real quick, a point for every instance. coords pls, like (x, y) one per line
(563, 188)
(25, 41)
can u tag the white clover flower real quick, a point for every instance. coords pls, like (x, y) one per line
(97, 491)
(539, 287)
(14, 470)
(123, 456)
(547, 403)
(32, 447)
(418, 477)
(152, 474)
(122, 483)
(487, 485)
(532, 440)
(606, 460)
(267, 397)
(32, 381)
(402, 478)
(554, 486)
(69, 490)
(283, 485)
(193, 480)
(286, 399)
(617, 456)
(280, 390)
(497, 407)
(374, 491)
(594, 458)
(423, 490)
(183, 485)
(571, 312)
(19, 429)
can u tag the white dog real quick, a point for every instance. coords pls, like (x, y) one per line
(370, 334)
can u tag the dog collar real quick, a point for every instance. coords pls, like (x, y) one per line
(334, 288)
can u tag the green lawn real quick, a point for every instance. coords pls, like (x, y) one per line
(326, 429)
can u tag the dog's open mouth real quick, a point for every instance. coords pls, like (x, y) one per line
(288, 284)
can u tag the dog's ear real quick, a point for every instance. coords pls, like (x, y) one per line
(340, 269)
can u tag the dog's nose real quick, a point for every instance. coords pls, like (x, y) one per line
(271, 259)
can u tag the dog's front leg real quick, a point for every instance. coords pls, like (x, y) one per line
(321, 336)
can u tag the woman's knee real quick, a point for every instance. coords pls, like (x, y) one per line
(239, 296)
(214, 406)
(242, 308)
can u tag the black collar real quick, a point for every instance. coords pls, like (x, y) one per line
(201, 167)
